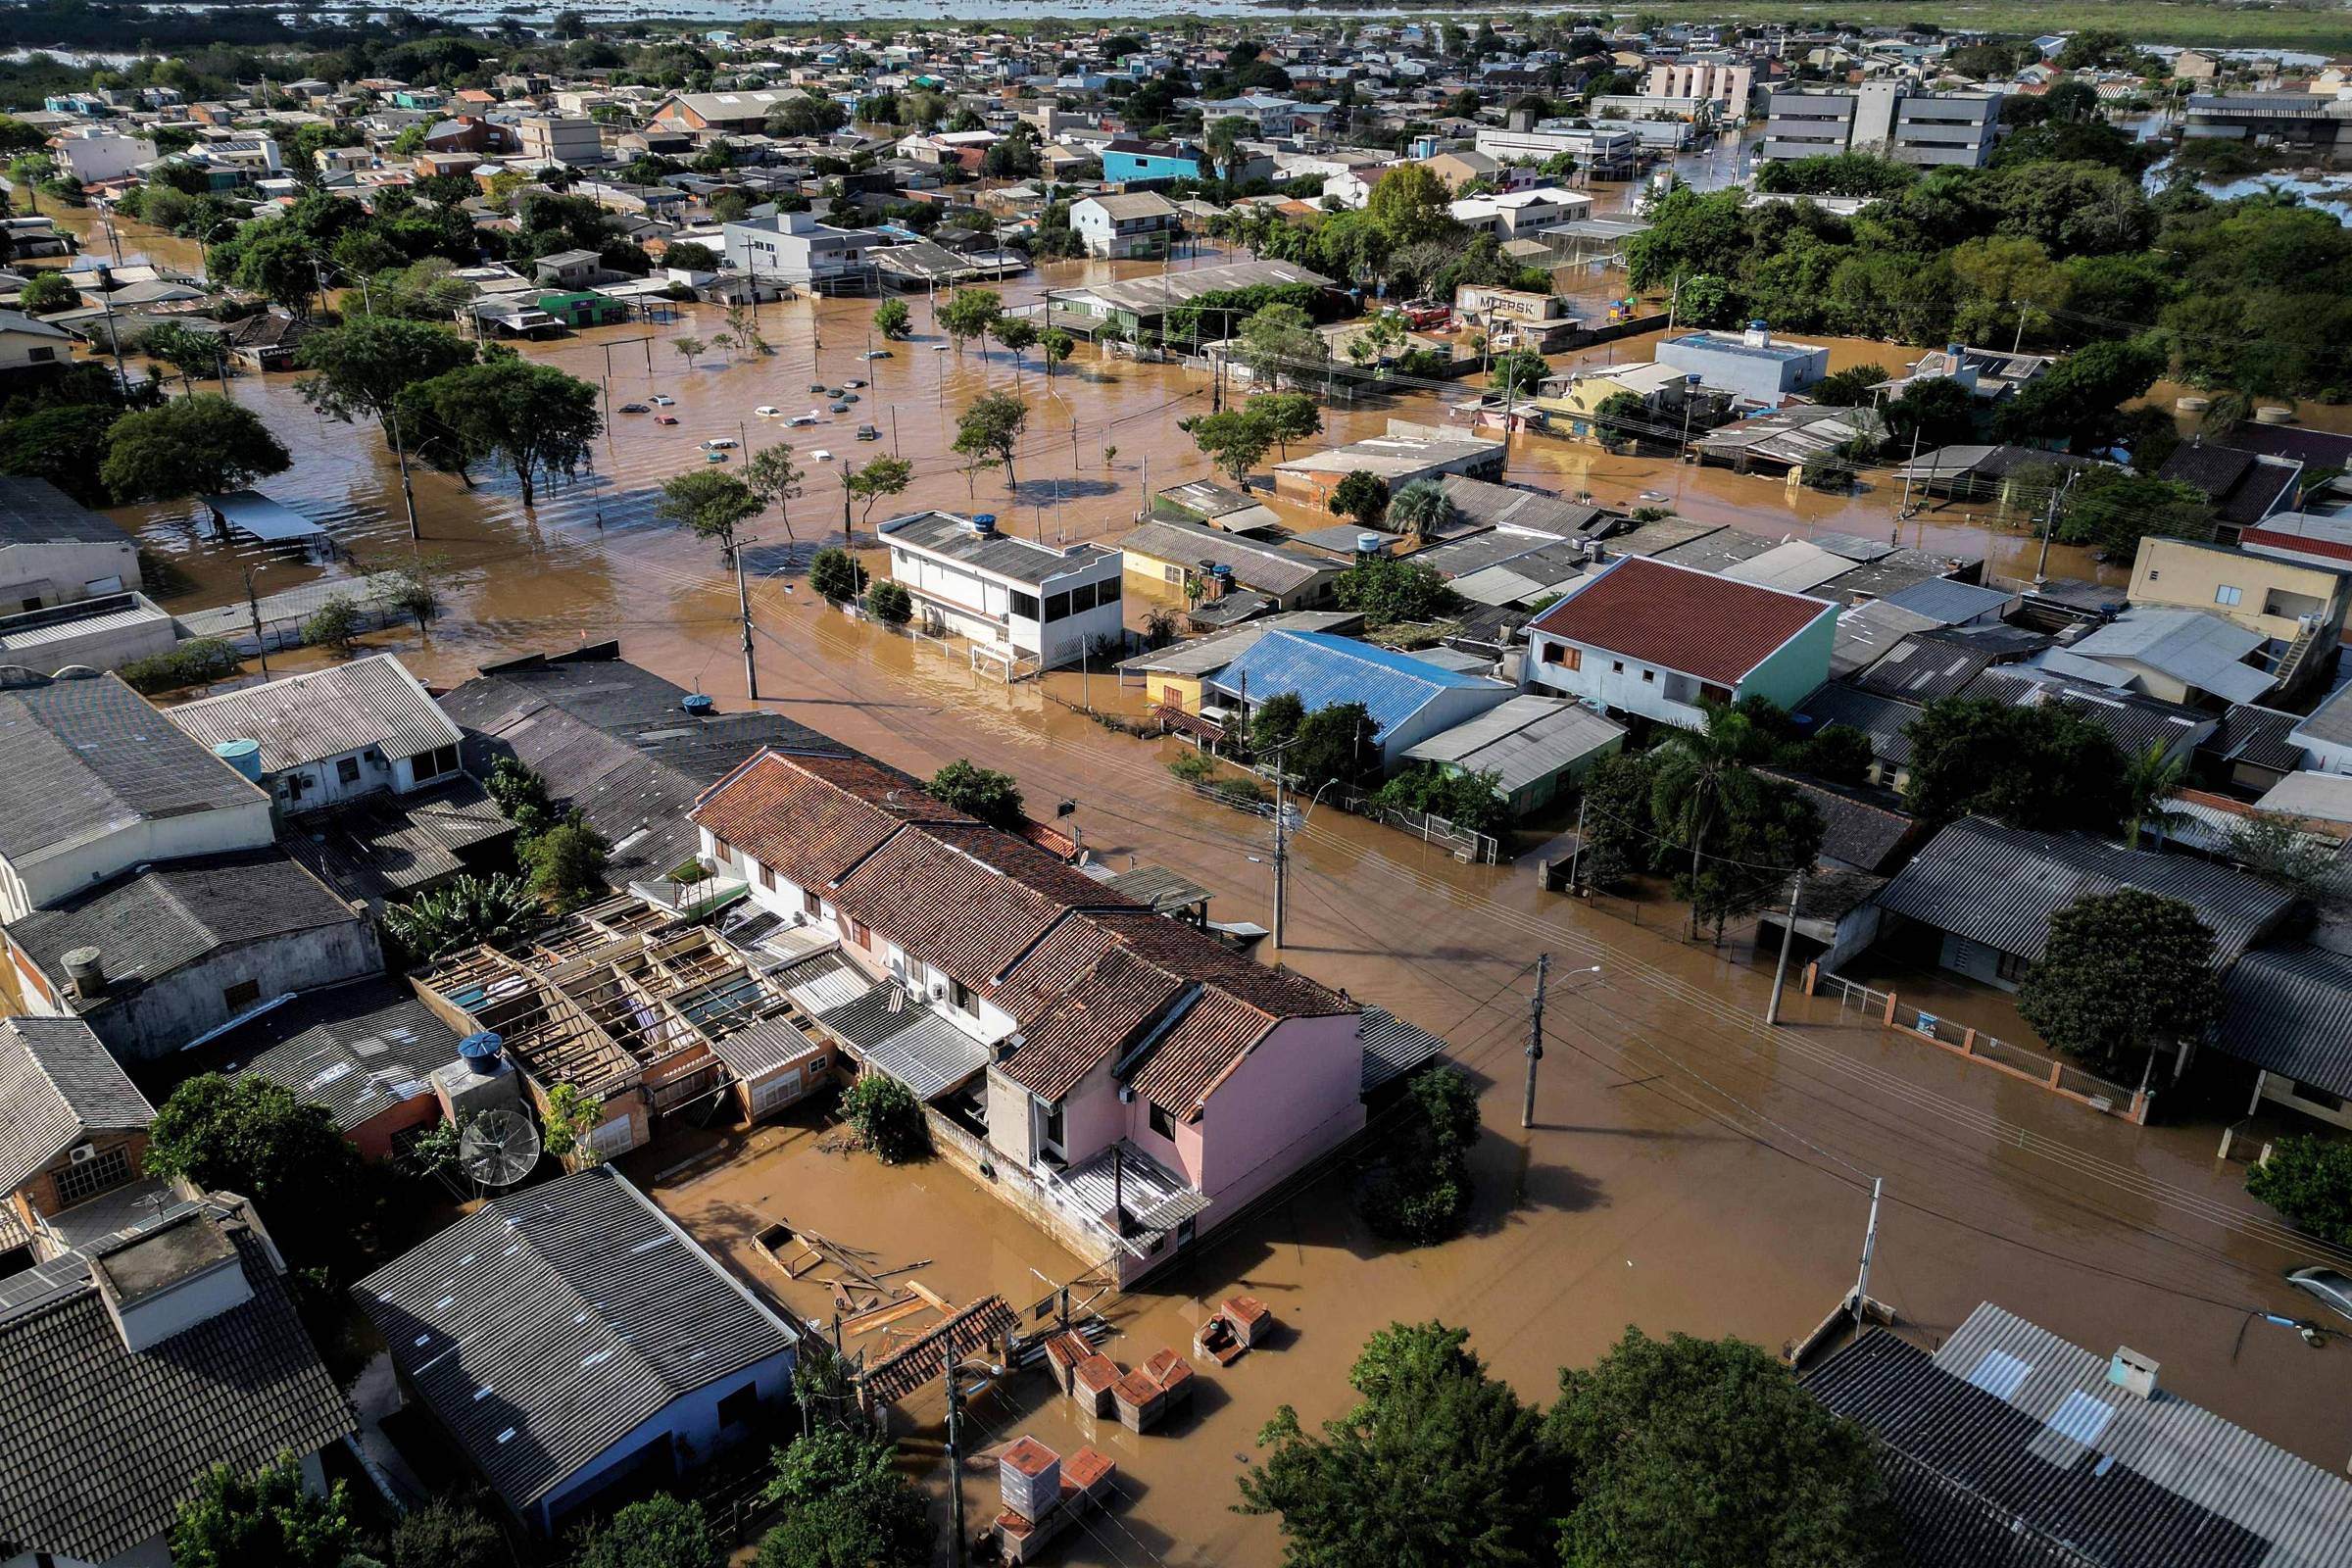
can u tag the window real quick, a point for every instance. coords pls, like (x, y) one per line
(1616, 666)
(297, 785)
(740, 1406)
(40, 355)
(2010, 966)
(1057, 607)
(959, 995)
(859, 934)
(1107, 592)
(720, 850)
(1025, 604)
(244, 994)
(2317, 1097)
(1161, 1122)
(813, 905)
(2226, 595)
(1171, 573)
(768, 878)
(1054, 1126)
(439, 760)
(347, 771)
(1081, 599)
(86, 1178)
(819, 1063)
(1650, 678)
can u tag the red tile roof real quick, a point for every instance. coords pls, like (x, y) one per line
(811, 818)
(2306, 544)
(1695, 623)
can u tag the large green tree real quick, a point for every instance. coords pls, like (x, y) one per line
(844, 1506)
(536, 419)
(2123, 974)
(989, 433)
(200, 445)
(360, 368)
(1438, 1465)
(969, 313)
(2044, 768)
(1705, 1454)
(255, 1138)
(658, 1532)
(710, 502)
(994, 798)
(2306, 1177)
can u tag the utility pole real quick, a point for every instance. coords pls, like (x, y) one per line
(2049, 526)
(1534, 1040)
(1907, 468)
(955, 1460)
(1870, 1242)
(1578, 853)
(399, 455)
(1779, 972)
(1281, 849)
(254, 605)
(743, 604)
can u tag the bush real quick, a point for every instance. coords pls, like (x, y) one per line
(192, 663)
(890, 604)
(1236, 791)
(566, 863)
(463, 913)
(1193, 767)
(836, 575)
(447, 1535)
(888, 1117)
(2309, 1181)
(658, 1532)
(1362, 495)
(1466, 800)
(1421, 1191)
(335, 625)
(982, 792)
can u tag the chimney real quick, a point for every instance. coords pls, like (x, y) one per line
(86, 973)
(2133, 1372)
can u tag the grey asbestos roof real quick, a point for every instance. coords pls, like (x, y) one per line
(1525, 740)
(910, 1042)
(2258, 737)
(1881, 719)
(1023, 561)
(1272, 567)
(1394, 1047)
(98, 1445)
(2200, 650)
(1949, 602)
(2025, 1434)
(1487, 504)
(359, 1049)
(551, 1323)
(83, 758)
(611, 740)
(1206, 656)
(324, 713)
(2132, 722)
(1999, 885)
(150, 924)
(2329, 724)
(35, 511)
(58, 1084)
(2289, 1009)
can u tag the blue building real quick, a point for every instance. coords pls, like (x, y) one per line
(1411, 698)
(1132, 162)
(570, 1337)
(1750, 365)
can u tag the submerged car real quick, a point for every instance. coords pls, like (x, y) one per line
(632, 408)
(2331, 1288)
(661, 399)
(866, 432)
(718, 443)
(665, 419)
(768, 411)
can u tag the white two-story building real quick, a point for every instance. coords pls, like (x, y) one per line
(1138, 223)
(795, 249)
(1018, 600)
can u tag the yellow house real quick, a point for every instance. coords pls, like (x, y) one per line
(2300, 608)
(1571, 400)
(1172, 676)
(1175, 554)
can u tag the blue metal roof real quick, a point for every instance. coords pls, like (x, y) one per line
(1323, 669)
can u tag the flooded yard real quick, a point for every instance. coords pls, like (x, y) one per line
(1689, 1170)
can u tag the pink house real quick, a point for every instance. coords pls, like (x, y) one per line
(1127, 1080)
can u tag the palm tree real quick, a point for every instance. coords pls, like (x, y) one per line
(1420, 510)
(2151, 779)
(1701, 777)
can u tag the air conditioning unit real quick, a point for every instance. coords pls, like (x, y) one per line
(939, 991)
(81, 1152)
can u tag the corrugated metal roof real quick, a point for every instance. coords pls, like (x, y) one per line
(1999, 885)
(1272, 567)
(58, 1084)
(2200, 650)
(551, 1323)
(1153, 1197)
(1323, 669)
(1526, 740)
(1796, 566)
(1023, 561)
(2289, 1009)
(85, 758)
(1394, 1047)
(308, 719)
(909, 1042)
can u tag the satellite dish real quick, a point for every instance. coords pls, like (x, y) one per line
(499, 1148)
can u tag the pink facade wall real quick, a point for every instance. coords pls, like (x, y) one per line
(1092, 1117)
(1289, 1100)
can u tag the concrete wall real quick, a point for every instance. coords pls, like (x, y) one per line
(688, 1425)
(1797, 667)
(153, 1020)
(36, 575)
(68, 869)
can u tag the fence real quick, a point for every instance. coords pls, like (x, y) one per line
(1464, 843)
(2059, 1077)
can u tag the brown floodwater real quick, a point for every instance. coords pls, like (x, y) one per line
(1689, 1170)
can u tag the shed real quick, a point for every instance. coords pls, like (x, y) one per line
(1528, 743)
(262, 519)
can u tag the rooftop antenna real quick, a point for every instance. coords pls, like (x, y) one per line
(499, 1148)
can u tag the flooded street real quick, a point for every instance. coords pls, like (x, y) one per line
(1689, 1170)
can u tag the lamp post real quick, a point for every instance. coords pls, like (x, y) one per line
(254, 605)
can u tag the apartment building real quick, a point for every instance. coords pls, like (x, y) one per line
(561, 139)
(1020, 601)
(795, 250)
(1891, 118)
(1720, 82)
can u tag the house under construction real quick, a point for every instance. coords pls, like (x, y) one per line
(649, 1017)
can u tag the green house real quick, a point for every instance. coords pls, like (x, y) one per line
(584, 310)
